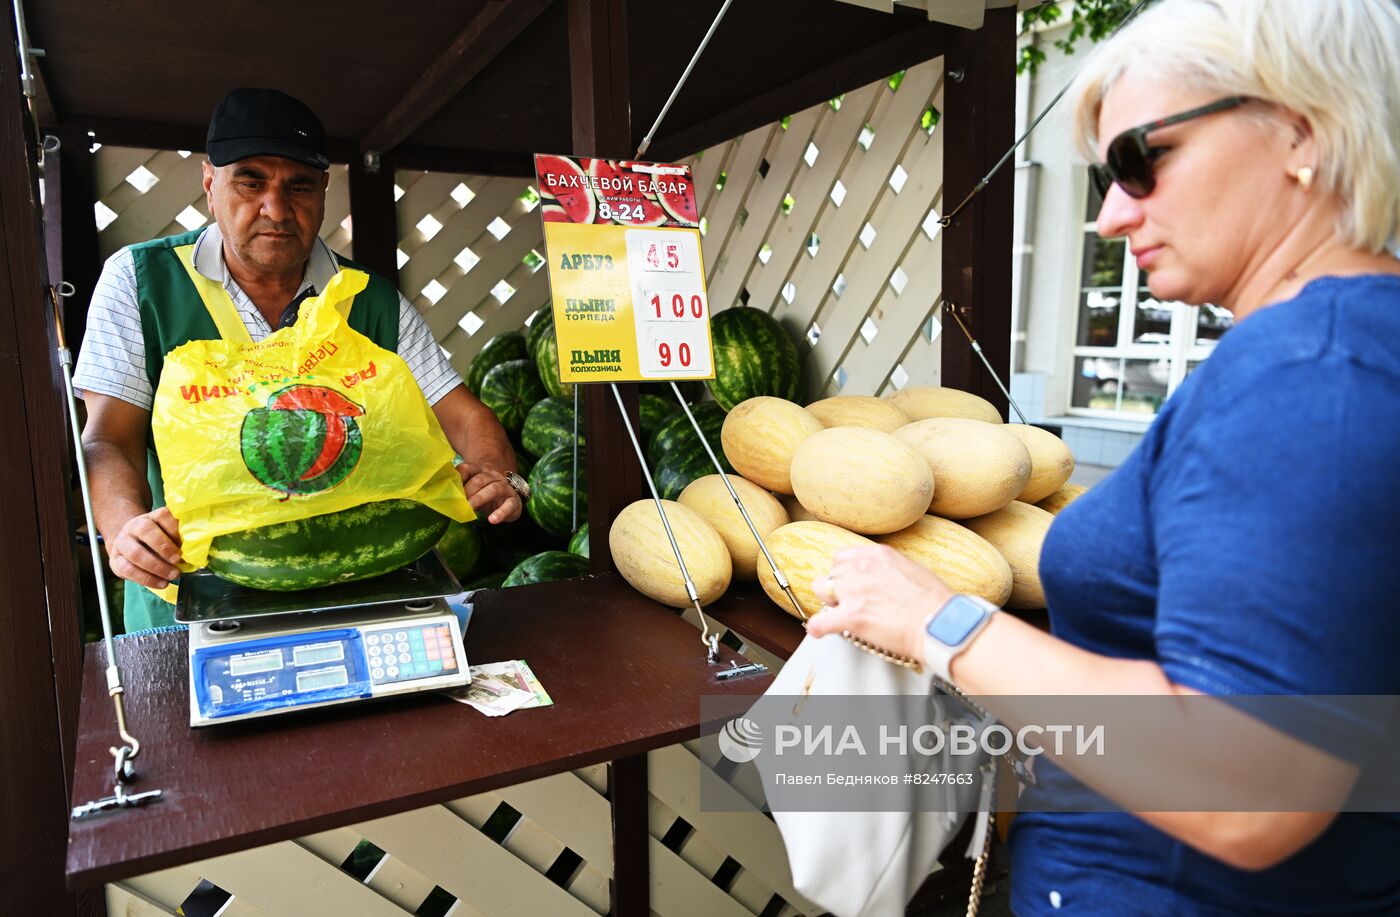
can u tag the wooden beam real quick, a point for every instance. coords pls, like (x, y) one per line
(919, 42)
(160, 135)
(602, 126)
(979, 112)
(493, 27)
(38, 588)
(471, 162)
(374, 216)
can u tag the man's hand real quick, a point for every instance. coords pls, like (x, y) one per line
(489, 493)
(146, 549)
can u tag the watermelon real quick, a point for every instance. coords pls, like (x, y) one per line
(653, 410)
(353, 544)
(486, 581)
(678, 434)
(461, 548)
(509, 543)
(679, 467)
(562, 179)
(551, 491)
(546, 356)
(541, 323)
(753, 356)
(511, 389)
(579, 543)
(502, 347)
(545, 568)
(550, 424)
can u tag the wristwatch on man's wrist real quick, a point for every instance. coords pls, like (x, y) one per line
(951, 629)
(519, 485)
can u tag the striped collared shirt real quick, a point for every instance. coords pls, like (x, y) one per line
(113, 356)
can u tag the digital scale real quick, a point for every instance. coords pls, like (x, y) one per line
(254, 653)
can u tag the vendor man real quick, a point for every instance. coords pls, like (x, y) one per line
(265, 181)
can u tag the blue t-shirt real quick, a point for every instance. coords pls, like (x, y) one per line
(1250, 546)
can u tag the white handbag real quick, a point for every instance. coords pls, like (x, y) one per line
(872, 863)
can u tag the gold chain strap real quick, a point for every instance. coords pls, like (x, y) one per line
(905, 661)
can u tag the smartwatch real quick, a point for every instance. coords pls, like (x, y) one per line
(951, 629)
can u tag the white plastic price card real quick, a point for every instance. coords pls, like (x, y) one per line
(626, 273)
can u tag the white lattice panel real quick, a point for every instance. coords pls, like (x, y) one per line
(145, 194)
(543, 847)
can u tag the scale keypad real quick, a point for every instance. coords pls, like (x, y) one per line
(408, 653)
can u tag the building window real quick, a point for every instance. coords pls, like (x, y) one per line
(1131, 351)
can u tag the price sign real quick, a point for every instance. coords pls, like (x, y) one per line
(627, 280)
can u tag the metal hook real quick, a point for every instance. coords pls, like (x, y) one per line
(50, 144)
(65, 289)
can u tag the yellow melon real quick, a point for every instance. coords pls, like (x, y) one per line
(862, 480)
(921, 402)
(760, 435)
(795, 510)
(803, 551)
(977, 466)
(964, 560)
(644, 557)
(1051, 461)
(1062, 498)
(859, 411)
(1018, 530)
(711, 500)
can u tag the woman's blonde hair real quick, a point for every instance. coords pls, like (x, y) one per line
(1337, 64)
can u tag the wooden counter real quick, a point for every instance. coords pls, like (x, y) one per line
(625, 673)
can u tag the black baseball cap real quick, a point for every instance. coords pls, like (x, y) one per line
(265, 122)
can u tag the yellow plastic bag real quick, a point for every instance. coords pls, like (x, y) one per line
(314, 419)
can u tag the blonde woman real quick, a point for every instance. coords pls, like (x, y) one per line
(1249, 151)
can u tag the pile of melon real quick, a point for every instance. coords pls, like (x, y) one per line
(932, 472)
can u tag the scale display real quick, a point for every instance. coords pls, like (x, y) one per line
(263, 670)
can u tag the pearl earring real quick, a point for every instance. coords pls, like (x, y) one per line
(1305, 177)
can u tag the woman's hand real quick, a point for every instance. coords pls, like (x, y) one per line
(880, 596)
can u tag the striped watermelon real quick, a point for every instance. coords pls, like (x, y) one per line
(486, 581)
(753, 356)
(679, 467)
(551, 491)
(304, 440)
(550, 424)
(353, 544)
(653, 410)
(545, 568)
(541, 323)
(546, 355)
(579, 543)
(677, 432)
(461, 548)
(502, 347)
(511, 389)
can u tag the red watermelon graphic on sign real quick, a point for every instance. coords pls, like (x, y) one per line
(305, 440)
(615, 191)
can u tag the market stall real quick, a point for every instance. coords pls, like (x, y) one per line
(519, 77)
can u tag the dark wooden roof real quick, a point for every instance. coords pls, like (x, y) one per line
(451, 83)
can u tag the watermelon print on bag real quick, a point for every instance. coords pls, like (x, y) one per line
(303, 441)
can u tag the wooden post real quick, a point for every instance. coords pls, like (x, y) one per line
(38, 612)
(70, 231)
(374, 217)
(602, 126)
(979, 111)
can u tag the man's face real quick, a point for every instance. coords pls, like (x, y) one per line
(269, 210)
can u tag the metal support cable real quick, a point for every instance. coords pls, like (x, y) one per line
(685, 75)
(946, 221)
(710, 640)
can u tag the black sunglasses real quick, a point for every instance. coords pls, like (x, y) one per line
(1131, 160)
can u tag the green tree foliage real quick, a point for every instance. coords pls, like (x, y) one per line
(1091, 19)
